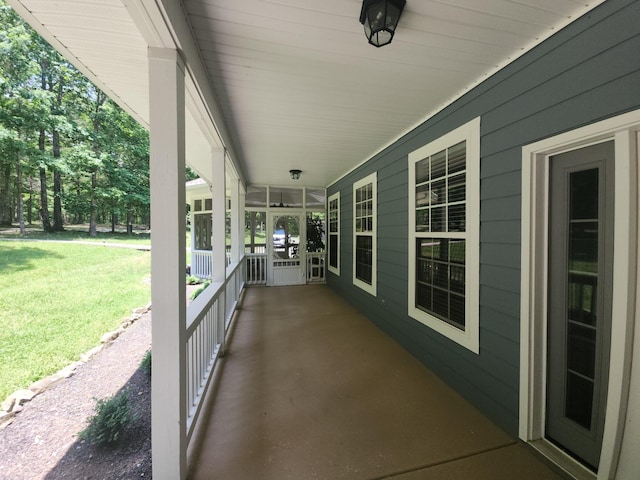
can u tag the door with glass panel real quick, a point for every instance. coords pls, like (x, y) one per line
(286, 257)
(579, 306)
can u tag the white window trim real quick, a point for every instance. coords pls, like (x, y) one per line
(623, 130)
(334, 270)
(373, 180)
(470, 336)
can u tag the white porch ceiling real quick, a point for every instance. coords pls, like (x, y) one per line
(296, 83)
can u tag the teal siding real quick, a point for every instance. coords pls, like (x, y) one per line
(586, 72)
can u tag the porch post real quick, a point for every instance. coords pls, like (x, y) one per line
(219, 206)
(237, 220)
(219, 243)
(167, 178)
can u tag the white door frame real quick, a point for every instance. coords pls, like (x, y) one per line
(279, 212)
(623, 130)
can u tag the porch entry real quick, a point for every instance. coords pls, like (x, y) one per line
(286, 265)
(579, 299)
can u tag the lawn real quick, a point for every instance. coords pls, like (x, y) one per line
(76, 233)
(58, 299)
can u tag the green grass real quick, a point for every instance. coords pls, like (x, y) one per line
(74, 233)
(58, 299)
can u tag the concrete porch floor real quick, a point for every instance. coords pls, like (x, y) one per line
(310, 389)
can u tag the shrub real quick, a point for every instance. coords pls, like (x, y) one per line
(191, 280)
(145, 364)
(200, 289)
(111, 419)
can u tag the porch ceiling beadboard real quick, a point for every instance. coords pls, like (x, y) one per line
(297, 83)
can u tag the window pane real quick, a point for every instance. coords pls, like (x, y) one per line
(255, 232)
(256, 197)
(456, 311)
(456, 219)
(285, 197)
(202, 230)
(438, 192)
(364, 257)
(440, 279)
(439, 165)
(456, 188)
(315, 198)
(333, 250)
(422, 171)
(457, 251)
(438, 219)
(457, 157)
(197, 205)
(584, 194)
(208, 204)
(423, 197)
(422, 220)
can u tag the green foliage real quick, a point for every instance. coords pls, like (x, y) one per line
(55, 122)
(191, 280)
(200, 289)
(145, 364)
(315, 233)
(112, 418)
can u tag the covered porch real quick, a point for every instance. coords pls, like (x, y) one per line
(309, 388)
(301, 385)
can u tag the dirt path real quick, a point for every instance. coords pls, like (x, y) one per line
(42, 442)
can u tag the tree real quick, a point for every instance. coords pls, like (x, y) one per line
(56, 128)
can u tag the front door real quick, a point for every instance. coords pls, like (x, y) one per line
(286, 252)
(579, 307)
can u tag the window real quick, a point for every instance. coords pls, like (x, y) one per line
(334, 233)
(202, 223)
(364, 238)
(444, 219)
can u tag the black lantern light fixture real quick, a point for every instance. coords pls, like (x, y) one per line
(295, 174)
(380, 19)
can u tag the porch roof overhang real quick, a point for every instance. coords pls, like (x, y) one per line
(285, 84)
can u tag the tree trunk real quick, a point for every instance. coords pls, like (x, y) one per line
(23, 230)
(5, 196)
(44, 199)
(93, 230)
(30, 201)
(58, 223)
(100, 99)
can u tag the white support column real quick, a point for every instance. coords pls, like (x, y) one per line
(219, 205)
(167, 178)
(237, 220)
(219, 243)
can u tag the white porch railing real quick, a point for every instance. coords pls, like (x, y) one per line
(201, 263)
(315, 267)
(208, 317)
(256, 266)
(256, 270)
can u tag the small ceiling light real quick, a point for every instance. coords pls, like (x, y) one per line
(295, 174)
(380, 19)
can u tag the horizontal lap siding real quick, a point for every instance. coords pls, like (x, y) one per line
(587, 72)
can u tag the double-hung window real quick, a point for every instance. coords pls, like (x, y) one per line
(364, 238)
(444, 184)
(334, 233)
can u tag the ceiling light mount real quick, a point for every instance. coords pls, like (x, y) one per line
(295, 174)
(380, 19)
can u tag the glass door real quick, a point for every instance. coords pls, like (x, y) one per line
(286, 249)
(580, 290)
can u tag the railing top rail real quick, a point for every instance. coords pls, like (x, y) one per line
(201, 304)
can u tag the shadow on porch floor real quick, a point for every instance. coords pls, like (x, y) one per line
(310, 389)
